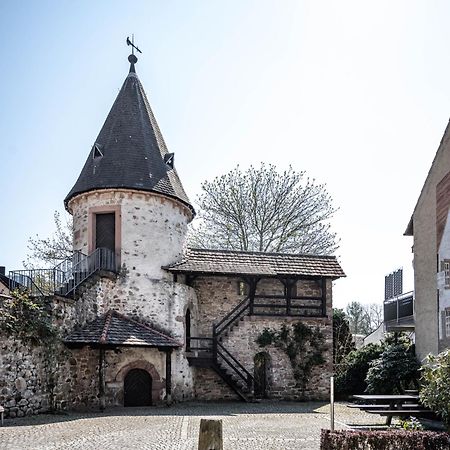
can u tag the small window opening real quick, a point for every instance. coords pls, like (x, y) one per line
(447, 323)
(243, 288)
(169, 160)
(96, 151)
(445, 267)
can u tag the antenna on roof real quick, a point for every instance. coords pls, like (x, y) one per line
(133, 47)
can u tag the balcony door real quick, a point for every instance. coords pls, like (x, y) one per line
(105, 231)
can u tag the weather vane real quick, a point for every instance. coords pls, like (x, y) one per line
(133, 47)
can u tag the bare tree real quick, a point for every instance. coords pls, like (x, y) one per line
(375, 313)
(48, 252)
(262, 209)
(364, 318)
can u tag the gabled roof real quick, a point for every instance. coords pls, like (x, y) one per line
(228, 262)
(129, 151)
(410, 227)
(115, 329)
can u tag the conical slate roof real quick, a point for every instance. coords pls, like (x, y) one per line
(130, 151)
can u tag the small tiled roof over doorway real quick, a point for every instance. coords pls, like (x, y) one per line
(115, 329)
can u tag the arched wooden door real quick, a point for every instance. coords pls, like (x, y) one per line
(261, 374)
(137, 387)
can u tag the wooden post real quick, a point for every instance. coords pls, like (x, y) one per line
(169, 376)
(332, 403)
(101, 379)
(324, 297)
(210, 436)
(252, 291)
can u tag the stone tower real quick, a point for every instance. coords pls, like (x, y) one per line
(128, 204)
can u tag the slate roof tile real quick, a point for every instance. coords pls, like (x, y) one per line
(257, 263)
(133, 150)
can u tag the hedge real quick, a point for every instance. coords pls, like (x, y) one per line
(384, 440)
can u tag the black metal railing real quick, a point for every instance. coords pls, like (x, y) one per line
(235, 314)
(228, 361)
(100, 259)
(66, 276)
(199, 345)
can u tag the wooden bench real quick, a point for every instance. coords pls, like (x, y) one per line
(375, 406)
(401, 412)
(398, 405)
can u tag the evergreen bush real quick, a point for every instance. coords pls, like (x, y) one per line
(435, 389)
(396, 369)
(351, 376)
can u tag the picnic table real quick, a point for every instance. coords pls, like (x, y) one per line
(389, 405)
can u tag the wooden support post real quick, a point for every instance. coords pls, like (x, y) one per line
(210, 436)
(324, 297)
(252, 291)
(169, 376)
(288, 290)
(101, 379)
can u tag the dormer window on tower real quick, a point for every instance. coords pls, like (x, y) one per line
(169, 160)
(96, 151)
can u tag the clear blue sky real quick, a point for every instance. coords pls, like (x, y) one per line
(356, 93)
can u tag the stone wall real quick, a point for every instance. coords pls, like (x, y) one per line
(150, 228)
(218, 295)
(23, 387)
(209, 386)
(241, 343)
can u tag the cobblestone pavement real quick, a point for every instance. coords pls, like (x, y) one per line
(265, 425)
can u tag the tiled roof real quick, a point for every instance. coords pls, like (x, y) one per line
(116, 329)
(257, 263)
(129, 151)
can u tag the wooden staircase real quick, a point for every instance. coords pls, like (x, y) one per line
(210, 352)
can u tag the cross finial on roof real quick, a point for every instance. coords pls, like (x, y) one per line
(132, 58)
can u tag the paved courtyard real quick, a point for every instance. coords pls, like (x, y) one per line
(266, 425)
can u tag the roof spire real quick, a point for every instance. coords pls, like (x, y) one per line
(132, 58)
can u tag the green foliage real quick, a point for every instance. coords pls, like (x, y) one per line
(395, 369)
(48, 252)
(435, 390)
(384, 440)
(342, 338)
(351, 373)
(25, 318)
(303, 345)
(411, 424)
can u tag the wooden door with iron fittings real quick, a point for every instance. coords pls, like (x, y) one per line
(137, 388)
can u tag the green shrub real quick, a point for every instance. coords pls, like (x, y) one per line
(351, 373)
(304, 345)
(396, 369)
(26, 318)
(384, 440)
(435, 390)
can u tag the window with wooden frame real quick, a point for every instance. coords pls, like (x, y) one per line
(445, 267)
(447, 322)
